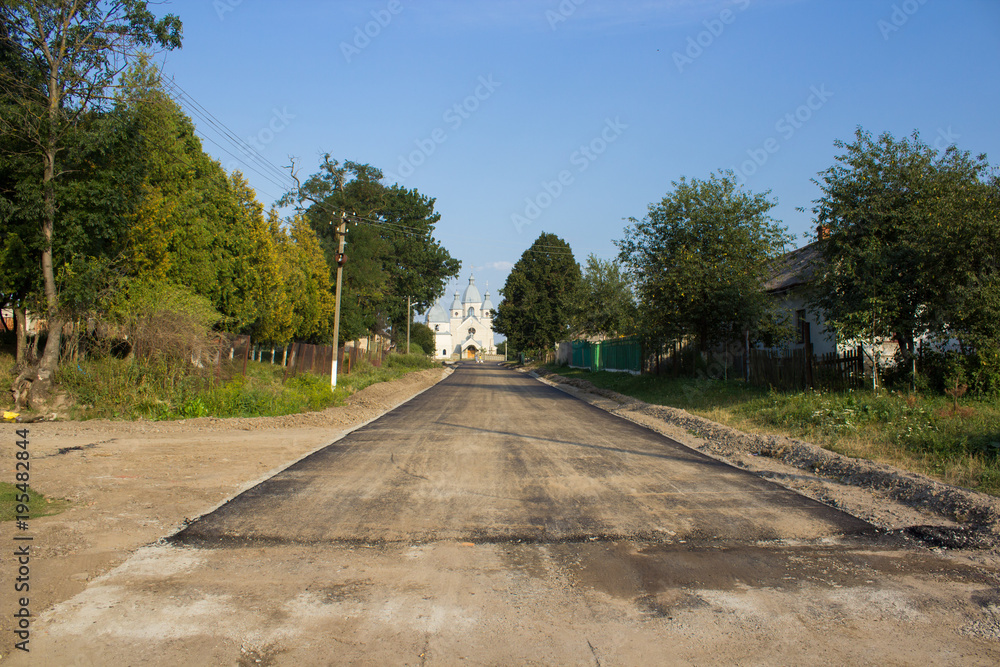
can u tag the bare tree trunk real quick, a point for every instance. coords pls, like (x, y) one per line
(21, 327)
(50, 358)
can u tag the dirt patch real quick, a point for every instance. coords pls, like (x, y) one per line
(890, 498)
(133, 483)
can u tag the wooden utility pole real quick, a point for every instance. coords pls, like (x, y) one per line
(409, 317)
(341, 233)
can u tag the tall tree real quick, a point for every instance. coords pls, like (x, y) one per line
(18, 278)
(392, 253)
(606, 302)
(699, 259)
(911, 242)
(539, 295)
(77, 49)
(305, 285)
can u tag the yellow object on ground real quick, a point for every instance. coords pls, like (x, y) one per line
(10, 416)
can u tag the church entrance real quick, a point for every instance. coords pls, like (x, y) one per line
(470, 353)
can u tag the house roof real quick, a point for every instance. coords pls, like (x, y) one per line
(794, 268)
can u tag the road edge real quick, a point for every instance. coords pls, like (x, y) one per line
(167, 539)
(975, 512)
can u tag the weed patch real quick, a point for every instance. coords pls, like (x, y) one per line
(38, 505)
(139, 388)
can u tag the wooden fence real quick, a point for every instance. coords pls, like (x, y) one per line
(318, 359)
(797, 369)
(794, 369)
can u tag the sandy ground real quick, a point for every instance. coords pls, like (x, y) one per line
(101, 564)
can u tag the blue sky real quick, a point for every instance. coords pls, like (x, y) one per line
(567, 116)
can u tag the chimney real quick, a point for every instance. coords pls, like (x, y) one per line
(822, 232)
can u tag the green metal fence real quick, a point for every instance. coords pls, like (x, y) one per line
(621, 354)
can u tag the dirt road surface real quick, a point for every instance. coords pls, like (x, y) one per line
(496, 520)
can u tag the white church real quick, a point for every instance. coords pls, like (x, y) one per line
(467, 329)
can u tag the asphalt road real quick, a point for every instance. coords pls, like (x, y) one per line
(489, 455)
(493, 520)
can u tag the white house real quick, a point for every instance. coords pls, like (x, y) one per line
(788, 284)
(467, 328)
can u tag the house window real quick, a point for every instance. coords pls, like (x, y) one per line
(444, 353)
(801, 326)
(437, 327)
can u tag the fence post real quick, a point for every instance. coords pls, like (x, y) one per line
(807, 353)
(746, 357)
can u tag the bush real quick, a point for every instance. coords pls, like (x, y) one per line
(414, 349)
(410, 361)
(161, 320)
(980, 370)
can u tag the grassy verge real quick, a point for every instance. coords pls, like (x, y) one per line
(118, 389)
(915, 432)
(38, 505)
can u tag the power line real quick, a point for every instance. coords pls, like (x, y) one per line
(197, 108)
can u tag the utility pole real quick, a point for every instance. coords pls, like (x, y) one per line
(341, 258)
(409, 316)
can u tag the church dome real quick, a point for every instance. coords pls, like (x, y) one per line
(487, 305)
(437, 314)
(456, 304)
(471, 293)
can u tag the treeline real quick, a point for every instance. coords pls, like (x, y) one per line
(907, 250)
(113, 214)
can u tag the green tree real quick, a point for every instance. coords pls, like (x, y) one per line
(77, 50)
(911, 243)
(391, 251)
(421, 338)
(306, 285)
(195, 226)
(606, 305)
(182, 229)
(539, 295)
(699, 260)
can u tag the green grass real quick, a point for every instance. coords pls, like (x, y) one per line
(112, 388)
(915, 432)
(38, 505)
